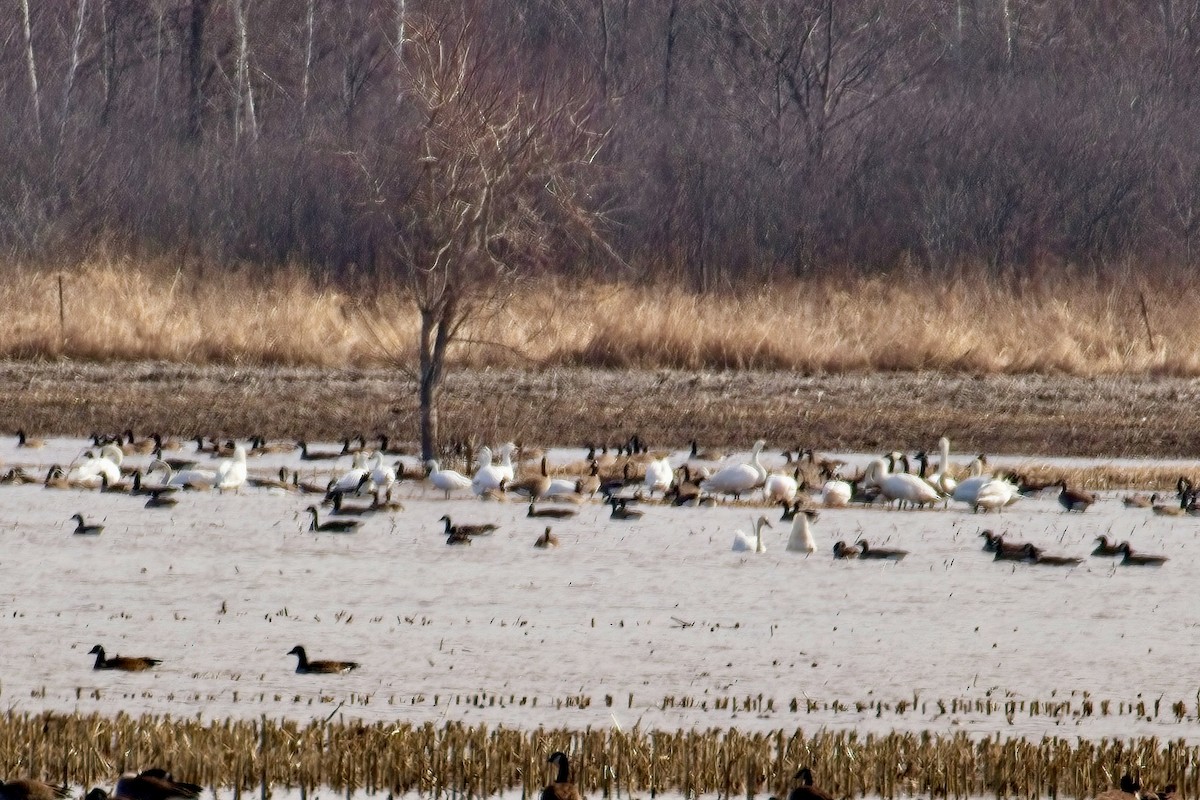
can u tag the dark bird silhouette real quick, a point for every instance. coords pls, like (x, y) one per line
(154, 784)
(551, 513)
(547, 539)
(1132, 559)
(1105, 548)
(306, 667)
(84, 529)
(803, 788)
(122, 663)
(883, 553)
(331, 525)
(562, 788)
(1074, 499)
(480, 529)
(29, 789)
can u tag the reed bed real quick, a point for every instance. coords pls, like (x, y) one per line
(461, 760)
(117, 310)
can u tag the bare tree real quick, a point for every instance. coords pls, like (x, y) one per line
(492, 172)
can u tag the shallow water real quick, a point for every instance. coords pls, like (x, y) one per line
(222, 586)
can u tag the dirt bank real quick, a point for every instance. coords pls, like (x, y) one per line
(1117, 416)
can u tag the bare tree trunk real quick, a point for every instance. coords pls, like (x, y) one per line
(158, 54)
(1010, 31)
(32, 64)
(401, 33)
(669, 53)
(245, 105)
(436, 322)
(195, 58)
(108, 58)
(605, 48)
(308, 59)
(71, 70)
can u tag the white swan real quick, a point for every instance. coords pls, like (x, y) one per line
(506, 465)
(187, 478)
(356, 480)
(836, 494)
(659, 475)
(489, 475)
(996, 494)
(107, 464)
(941, 479)
(900, 486)
(743, 543)
(968, 490)
(738, 478)
(801, 539)
(448, 480)
(779, 487)
(231, 472)
(382, 477)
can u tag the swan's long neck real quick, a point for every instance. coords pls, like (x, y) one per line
(485, 457)
(944, 446)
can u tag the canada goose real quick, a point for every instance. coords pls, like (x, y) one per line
(1013, 552)
(547, 539)
(331, 525)
(1129, 790)
(260, 446)
(132, 446)
(308, 487)
(1132, 559)
(800, 540)
(743, 542)
(447, 480)
(113, 488)
(17, 476)
(341, 508)
(738, 478)
(1172, 510)
(790, 510)
(883, 553)
(84, 529)
(804, 789)
(496, 495)
(316, 455)
(552, 513)
(123, 663)
(1054, 561)
(154, 784)
(900, 486)
(590, 484)
(28, 789)
(562, 788)
(613, 485)
(162, 499)
(843, 550)
(458, 538)
(1138, 500)
(479, 529)
(621, 511)
(56, 478)
(349, 448)
(1074, 499)
(1106, 548)
(25, 441)
(387, 503)
(385, 446)
(306, 667)
(707, 454)
(535, 488)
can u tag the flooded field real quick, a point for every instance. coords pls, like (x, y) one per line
(653, 622)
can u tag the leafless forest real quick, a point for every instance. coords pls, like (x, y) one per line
(741, 138)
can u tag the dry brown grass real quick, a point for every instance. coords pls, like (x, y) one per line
(1068, 324)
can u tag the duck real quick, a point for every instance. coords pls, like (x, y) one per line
(479, 529)
(1131, 559)
(316, 455)
(84, 529)
(1105, 548)
(25, 441)
(231, 472)
(803, 788)
(552, 513)
(738, 478)
(321, 667)
(660, 475)
(800, 540)
(621, 511)
(154, 784)
(562, 788)
(331, 525)
(843, 550)
(122, 663)
(743, 543)
(547, 539)
(1074, 499)
(881, 553)
(447, 480)
(900, 486)
(29, 789)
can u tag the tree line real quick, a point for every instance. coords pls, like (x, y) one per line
(727, 141)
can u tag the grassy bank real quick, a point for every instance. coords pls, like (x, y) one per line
(1065, 325)
(478, 761)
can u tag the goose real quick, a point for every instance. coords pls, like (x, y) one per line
(882, 553)
(590, 484)
(132, 446)
(162, 500)
(552, 513)
(84, 529)
(57, 479)
(1014, 552)
(562, 788)
(1074, 499)
(497, 495)
(108, 463)
(279, 482)
(24, 441)
(804, 789)
(1132, 559)
(708, 454)
(29, 789)
(900, 486)
(316, 455)
(122, 663)
(114, 488)
(800, 540)
(17, 476)
(260, 446)
(479, 529)
(332, 525)
(790, 510)
(659, 475)
(1164, 510)
(843, 550)
(1053, 560)
(1130, 790)
(447, 480)
(322, 667)
(743, 543)
(387, 503)
(1138, 500)
(621, 511)
(458, 538)
(1105, 548)
(154, 784)
(385, 446)
(343, 509)
(535, 488)
(738, 478)
(610, 487)
(231, 473)
(349, 448)
(547, 539)
(781, 487)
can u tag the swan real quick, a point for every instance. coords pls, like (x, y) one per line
(836, 493)
(231, 473)
(996, 494)
(801, 538)
(187, 478)
(941, 479)
(968, 489)
(781, 488)
(489, 475)
(355, 480)
(659, 475)
(107, 464)
(900, 486)
(446, 479)
(743, 543)
(738, 478)
(382, 477)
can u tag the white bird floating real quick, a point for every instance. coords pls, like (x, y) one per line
(900, 486)
(448, 480)
(738, 478)
(743, 543)
(801, 539)
(96, 469)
